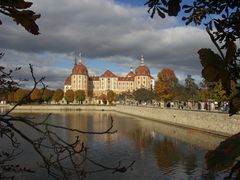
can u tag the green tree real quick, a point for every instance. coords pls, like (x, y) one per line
(69, 96)
(111, 96)
(191, 87)
(80, 96)
(221, 19)
(181, 93)
(219, 94)
(203, 95)
(56, 146)
(143, 95)
(47, 94)
(58, 95)
(36, 95)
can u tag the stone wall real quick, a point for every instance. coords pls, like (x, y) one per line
(214, 122)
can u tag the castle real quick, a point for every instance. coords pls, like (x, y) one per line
(95, 86)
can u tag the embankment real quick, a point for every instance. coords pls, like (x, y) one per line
(213, 122)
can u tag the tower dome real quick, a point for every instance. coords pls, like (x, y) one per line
(68, 80)
(79, 69)
(142, 70)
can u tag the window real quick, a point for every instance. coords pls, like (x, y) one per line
(108, 83)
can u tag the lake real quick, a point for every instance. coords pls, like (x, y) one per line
(161, 151)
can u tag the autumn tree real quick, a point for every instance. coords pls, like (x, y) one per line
(80, 96)
(58, 95)
(166, 84)
(52, 149)
(36, 95)
(111, 96)
(3, 95)
(10, 97)
(47, 94)
(222, 21)
(20, 94)
(69, 96)
(20, 13)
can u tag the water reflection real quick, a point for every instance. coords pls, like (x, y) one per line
(161, 151)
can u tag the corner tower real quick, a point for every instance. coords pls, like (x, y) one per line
(142, 77)
(79, 77)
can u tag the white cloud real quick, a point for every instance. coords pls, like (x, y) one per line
(104, 30)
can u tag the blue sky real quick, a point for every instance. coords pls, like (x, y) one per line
(132, 2)
(109, 34)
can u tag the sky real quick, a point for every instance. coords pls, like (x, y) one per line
(110, 34)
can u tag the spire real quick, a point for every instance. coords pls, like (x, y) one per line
(80, 58)
(131, 68)
(142, 61)
(75, 59)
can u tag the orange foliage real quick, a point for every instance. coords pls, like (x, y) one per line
(165, 85)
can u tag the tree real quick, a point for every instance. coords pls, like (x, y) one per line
(20, 13)
(191, 87)
(203, 95)
(52, 149)
(111, 96)
(47, 94)
(69, 96)
(58, 95)
(80, 95)
(166, 84)
(10, 97)
(222, 21)
(124, 96)
(143, 95)
(20, 95)
(181, 93)
(36, 95)
(103, 98)
(219, 94)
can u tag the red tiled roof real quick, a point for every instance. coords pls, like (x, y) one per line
(79, 69)
(130, 74)
(68, 80)
(142, 71)
(94, 78)
(108, 73)
(125, 78)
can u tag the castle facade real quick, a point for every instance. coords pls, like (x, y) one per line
(95, 86)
